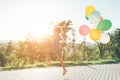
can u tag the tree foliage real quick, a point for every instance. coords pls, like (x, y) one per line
(31, 51)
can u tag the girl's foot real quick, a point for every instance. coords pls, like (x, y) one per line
(64, 72)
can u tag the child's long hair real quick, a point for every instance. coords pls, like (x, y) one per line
(56, 30)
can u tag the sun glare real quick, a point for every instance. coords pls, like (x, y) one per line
(40, 33)
(33, 18)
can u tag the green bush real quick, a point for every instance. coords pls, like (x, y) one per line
(3, 60)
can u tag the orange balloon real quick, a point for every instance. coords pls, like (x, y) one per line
(95, 34)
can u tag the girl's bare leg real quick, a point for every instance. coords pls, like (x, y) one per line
(62, 64)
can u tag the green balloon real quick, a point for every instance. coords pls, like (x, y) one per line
(86, 17)
(104, 25)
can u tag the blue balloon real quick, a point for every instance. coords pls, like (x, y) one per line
(94, 17)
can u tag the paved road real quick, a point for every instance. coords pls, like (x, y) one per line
(92, 72)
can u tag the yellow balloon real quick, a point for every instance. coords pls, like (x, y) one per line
(95, 34)
(89, 10)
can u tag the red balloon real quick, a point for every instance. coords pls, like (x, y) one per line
(84, 30)
(101, 18)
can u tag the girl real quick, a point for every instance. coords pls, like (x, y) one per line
(56, 48)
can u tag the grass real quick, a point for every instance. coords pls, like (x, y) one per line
(101, 62)
(56, 63)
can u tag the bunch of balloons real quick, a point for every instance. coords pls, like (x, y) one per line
(100, 25)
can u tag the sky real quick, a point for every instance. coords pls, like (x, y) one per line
(19, 17)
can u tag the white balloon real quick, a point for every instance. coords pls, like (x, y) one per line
(105, 38)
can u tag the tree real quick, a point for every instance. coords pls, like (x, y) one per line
(3, 60)
(9, 48)
(115, 43)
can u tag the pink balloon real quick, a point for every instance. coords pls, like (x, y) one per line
(84, 30)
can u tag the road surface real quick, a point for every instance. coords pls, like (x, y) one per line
(91, 72)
